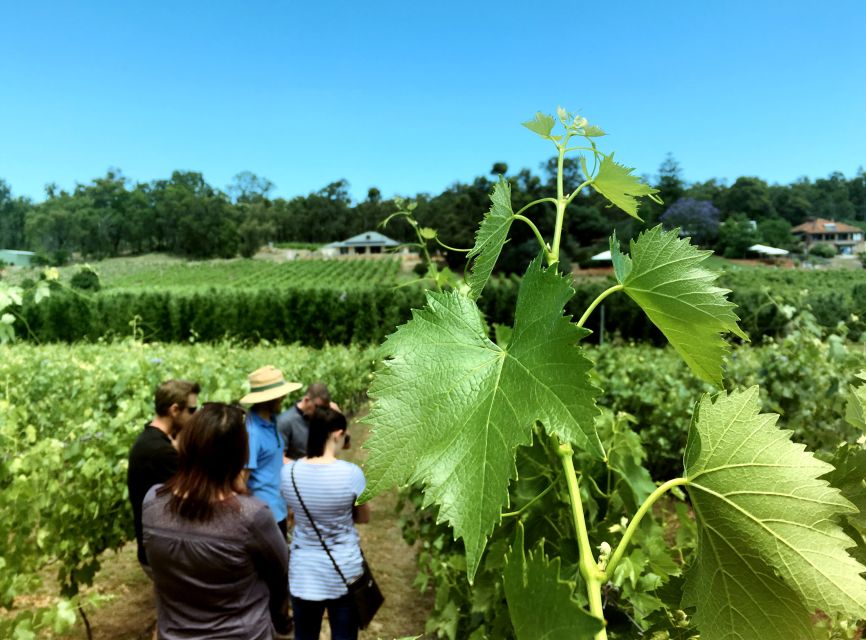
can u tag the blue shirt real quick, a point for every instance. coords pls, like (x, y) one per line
(265, 463)
(329, 491)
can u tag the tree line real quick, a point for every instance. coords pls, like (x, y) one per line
(186, 216)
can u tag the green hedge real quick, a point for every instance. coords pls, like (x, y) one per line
(365, 316)
(311, 317)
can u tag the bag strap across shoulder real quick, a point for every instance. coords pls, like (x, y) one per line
(315, 528)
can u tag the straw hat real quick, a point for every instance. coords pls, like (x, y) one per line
(268, 383)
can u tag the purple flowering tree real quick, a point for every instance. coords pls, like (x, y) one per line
(698, 219)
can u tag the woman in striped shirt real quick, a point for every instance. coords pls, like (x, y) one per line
(324, 489)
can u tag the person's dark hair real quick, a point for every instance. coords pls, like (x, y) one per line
(212, 452)
(173, 392)
(271, 406)
(319, 391)
(323, 423)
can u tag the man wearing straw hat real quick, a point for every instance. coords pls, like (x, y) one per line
(267, 390)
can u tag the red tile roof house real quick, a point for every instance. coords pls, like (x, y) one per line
(848, 240)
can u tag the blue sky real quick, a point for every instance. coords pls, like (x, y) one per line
(411, 97)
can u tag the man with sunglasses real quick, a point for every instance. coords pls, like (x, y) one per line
(153, 457)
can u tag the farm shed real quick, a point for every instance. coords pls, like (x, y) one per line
(369, 242)
(17, 258)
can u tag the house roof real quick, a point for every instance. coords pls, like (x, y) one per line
(370, 238)
(366, 239)
(821, 225)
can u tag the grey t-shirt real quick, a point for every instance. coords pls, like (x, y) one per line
(225, 578)
(293, 425)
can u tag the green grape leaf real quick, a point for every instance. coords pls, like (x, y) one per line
(769, 551)
(23, 631)
(849, 476)
(542, 124)
(540, 603)
(7, 333)
(625, 457)
(450, 407)
(65, 616)
(490, 238)
(616, 183)
(42, 292)
(664, 276)
(9, 295)
(591, 131)
(502, 333)
(855, 411)
(583, 167)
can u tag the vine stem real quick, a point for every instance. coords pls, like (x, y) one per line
(538, 235)
(511, 514)
(445, 246)
(604, 294)
(593, 576)
(86, 622)
(560, 200)
(533, 203)
(635, 522)
(26, 324)
(577, 191)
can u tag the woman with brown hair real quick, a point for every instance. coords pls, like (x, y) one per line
(220, 564)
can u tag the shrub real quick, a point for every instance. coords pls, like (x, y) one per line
(86, 279)
(823, 250)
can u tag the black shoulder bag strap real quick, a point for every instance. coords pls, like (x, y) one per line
(315, 528)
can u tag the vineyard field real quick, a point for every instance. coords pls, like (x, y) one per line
(68, 415)
(305, 274)
(166, 272)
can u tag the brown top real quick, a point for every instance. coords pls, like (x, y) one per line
(226, 578)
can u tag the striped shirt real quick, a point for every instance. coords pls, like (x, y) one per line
(329, 492)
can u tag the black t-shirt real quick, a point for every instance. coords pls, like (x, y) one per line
(152, 460)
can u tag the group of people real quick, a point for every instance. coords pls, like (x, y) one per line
(214, 489)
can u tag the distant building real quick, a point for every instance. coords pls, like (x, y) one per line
(17, 258)
(367, 243)
(848, 240)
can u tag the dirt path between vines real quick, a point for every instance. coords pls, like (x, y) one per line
(128, 611)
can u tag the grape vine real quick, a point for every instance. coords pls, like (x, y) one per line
(456, 412)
